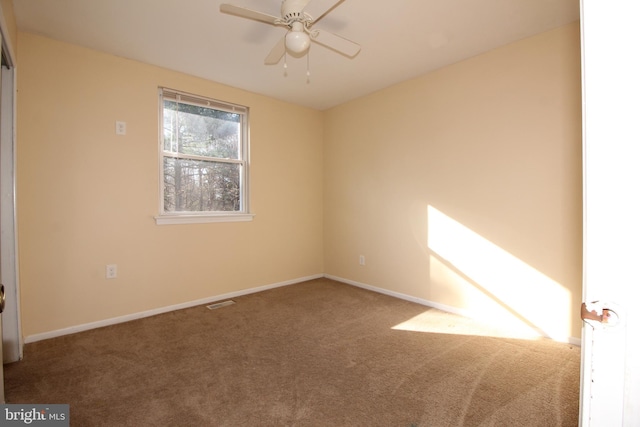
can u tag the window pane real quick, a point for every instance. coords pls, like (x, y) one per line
(195, 130)
(197, 186)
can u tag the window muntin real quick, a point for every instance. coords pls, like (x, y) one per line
(204, 156)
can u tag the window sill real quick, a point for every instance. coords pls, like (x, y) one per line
(202, 219)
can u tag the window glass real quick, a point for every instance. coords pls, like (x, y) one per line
(204, 150)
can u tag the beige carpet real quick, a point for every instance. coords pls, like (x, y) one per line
(319, 353)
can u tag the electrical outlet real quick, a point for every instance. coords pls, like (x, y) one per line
(362, 260)
(112, 271)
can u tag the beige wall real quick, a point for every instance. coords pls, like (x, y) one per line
(87, 197)
(463, 187)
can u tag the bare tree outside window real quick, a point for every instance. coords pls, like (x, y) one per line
(204, 156)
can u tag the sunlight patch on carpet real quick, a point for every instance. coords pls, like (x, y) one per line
(438, 322)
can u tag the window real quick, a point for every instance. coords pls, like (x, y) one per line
(203, 160)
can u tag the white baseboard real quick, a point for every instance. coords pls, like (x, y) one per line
(399, 295)
(449, 309)
(161, 310)
(208, 300)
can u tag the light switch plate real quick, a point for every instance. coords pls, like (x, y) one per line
(121, 128)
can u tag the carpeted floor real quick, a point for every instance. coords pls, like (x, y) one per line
(318, 353)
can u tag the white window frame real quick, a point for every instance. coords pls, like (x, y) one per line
(190, 217)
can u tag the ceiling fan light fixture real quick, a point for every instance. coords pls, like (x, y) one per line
(301, 30)
(297, 42)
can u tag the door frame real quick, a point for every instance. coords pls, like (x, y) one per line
(11, 325)
(610, 373)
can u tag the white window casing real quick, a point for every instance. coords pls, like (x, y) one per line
(200, 144)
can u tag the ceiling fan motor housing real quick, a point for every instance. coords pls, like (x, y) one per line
(291, 10)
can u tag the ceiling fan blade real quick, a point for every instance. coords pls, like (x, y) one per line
(335, 42)
(319, 8)
(248, 13)
(276, 53)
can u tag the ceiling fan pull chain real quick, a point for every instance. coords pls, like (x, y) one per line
(285, 63)
(308, 72)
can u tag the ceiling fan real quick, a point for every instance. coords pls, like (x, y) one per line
(298, 17)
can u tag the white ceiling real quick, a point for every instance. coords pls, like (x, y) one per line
(400, 39)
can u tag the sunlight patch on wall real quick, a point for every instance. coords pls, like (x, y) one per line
(490, 283)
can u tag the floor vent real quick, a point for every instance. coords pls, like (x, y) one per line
(220, 304)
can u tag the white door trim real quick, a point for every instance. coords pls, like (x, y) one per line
(11, 327)
(611, 89)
